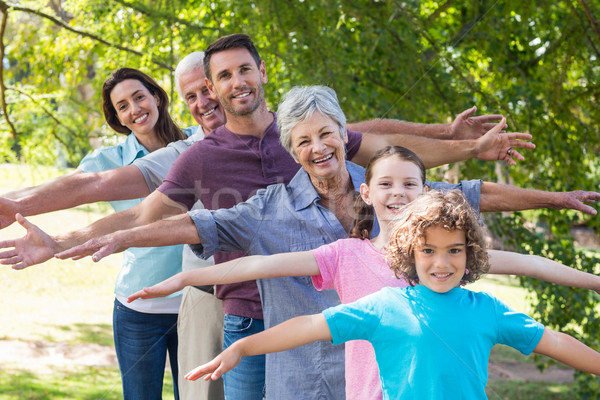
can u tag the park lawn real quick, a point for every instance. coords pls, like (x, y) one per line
(71, 302)
(59, 301)
(80, 383)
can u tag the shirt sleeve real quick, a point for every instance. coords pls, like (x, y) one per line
(156, 165)
(354, 141)
(99, 160)
(327, 257)
(356, 320)
(471, 189)
(516, 329)
(230, 229)
(180, 183)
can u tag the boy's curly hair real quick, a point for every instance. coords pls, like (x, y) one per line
(449, 210)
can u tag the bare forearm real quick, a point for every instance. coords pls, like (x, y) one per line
(433, 152)
(78, 188)
(496, 197)
(122, 220)
(254, 267)
(290, 334)
(153, 208)
(392, 126)
(179, 229)
(509, 263)
(570, 351)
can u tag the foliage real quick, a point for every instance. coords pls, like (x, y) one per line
(535, 62)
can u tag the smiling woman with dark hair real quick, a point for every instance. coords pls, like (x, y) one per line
(135, 105)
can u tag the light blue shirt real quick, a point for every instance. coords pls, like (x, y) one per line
(281, 219)
(142, 266)
(432, 345)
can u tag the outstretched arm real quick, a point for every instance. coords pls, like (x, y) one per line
(179, 229)
(37, 247)
(509, 263)
(301, 263)
(498, 197)
(464, 126)
(569, 351)
(292, 333)
(72, 190)
(492, 146)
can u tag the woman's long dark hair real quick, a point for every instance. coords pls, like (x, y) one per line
(166, 130)
(364, 214)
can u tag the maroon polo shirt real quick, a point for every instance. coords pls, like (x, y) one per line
(224, 169)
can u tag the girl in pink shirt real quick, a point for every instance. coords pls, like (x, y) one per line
(356, 267)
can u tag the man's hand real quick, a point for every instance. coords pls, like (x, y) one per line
(33, 248)
(575, 201)
(161, 289)
(8, 209)
(465, 126)
(98, 248)
(495, 145)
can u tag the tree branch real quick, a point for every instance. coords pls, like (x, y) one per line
(153, 13)
(4, 11)
(48, 113)
(438, 11)
(6, 5)
(414, 21)
(591, 18)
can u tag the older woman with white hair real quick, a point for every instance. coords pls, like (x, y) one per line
(315, 208)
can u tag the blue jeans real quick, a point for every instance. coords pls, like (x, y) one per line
(141, 343)
(247, 380)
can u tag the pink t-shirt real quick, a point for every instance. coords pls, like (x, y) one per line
(355, 268)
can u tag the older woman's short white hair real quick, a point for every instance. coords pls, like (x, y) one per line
(190, 62)
(300, 103)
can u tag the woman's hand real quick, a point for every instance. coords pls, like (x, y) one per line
(33, 248)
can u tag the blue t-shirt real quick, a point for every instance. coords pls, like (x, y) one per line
(432, 345)
(142, 266)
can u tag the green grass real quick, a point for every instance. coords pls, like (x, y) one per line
(511, 390)
(58, 301)
(83, 383)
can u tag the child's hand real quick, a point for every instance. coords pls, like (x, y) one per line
(161, 289)
(214, 369)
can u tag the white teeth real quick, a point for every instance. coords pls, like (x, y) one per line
(242, 95)
(206, 114)
(137, 120)
(396, 206)
(323, 159)
(438, 275)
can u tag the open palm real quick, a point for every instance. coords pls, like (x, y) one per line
(33, 248)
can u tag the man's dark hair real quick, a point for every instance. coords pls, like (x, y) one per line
(235, 41)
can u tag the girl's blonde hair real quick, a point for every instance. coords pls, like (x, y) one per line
(449, 210)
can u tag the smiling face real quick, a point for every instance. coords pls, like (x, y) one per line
(319, 147)
(237, 81)
(205, 108)
(441, 260)
(394, 183)
(136, 107)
